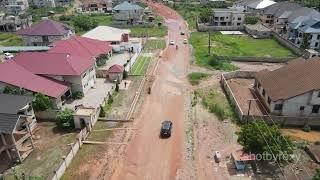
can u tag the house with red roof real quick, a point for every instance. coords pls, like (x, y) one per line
(76, 71)
(82, 46)
(14, 75)
(45, 33)
(115, 72)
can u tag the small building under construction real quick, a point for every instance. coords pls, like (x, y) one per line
(17, 121)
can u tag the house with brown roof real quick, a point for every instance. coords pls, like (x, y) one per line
(115, 72)
(45, 33)
(293, 90)
(96, 6)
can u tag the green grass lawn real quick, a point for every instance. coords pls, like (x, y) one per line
(103, 20)
(216, 102)
(233, 46)
(149, 31)
(10, 39)
(195, 77)
(153, 44)
(140, 66)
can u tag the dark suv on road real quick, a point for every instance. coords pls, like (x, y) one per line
(166, 127)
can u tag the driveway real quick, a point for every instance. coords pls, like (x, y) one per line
(116, 58)
(94, 96)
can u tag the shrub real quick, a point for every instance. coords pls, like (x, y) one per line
(251, 20)
(65, 119)
(77, 95)
(41, 102)
(306, 128)
(110, 99)
(65, 18)
(13, 90)
(83, 23)
(102, 59)
(195, 77)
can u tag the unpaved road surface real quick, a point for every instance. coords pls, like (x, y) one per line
(147, 156)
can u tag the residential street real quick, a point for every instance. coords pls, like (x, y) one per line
(147, 156)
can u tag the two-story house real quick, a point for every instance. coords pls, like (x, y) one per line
(17, 121)
(252, 6)
(96, 6)
(12, 23)
(293, 90)
(76, 71)
(276, 15)
(127, 13)
(230, 19)
(45, 33)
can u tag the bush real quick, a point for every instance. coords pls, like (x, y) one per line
(251, 20)
(83, 23)
(13, 90)
(102, 112)
(102, 59)
(306, 128)
(77, 95)
(41, 102)
(65, 119)
(195, 77)
(65, 18)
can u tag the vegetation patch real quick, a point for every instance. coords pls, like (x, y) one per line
(195, 77)
(141, 65)
(10, 39)
(149, 31)
(216, 102)
(38, 13)
(153, 44)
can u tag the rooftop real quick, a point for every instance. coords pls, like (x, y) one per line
(296, 78)
(81, 46)
(11, 104)
(126, 6)
(46, 28)
(14, 74)
(44, 63)
(106, 33)
(8, 122)
(116, 69)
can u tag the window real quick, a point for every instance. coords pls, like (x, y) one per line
(318, 37)
(269, 100)
(301, 108)
(316, 44)
(263, 92)
(238, 24)
(318, 94)
(315, 108)
(278, 107)
(239, 18)
(84, 75)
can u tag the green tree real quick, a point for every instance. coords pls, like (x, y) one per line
(65, 119)
(205, 14)
(41, 102)
(251, 20)
(260, 138)
(84, 23)
(317, 175)
(125, 74)
(117, 87)
(13, 90)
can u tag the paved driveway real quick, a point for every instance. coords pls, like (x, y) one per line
(116, 59)
(94, 96)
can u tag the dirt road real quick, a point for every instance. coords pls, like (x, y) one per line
(148, 156)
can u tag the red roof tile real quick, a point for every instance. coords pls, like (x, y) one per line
(13, 74)
(53, 63)
(46, 28)
(81, 46)
(116, 69)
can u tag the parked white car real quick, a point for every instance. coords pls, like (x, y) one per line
(8, 56)
(185, 41)
(171, 42)
(217, 156)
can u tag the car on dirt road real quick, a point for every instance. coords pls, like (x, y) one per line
(166, 127)
(171, 42)
(185, 41)
(182, 33)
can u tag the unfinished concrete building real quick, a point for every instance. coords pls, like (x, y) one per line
(17, 121)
